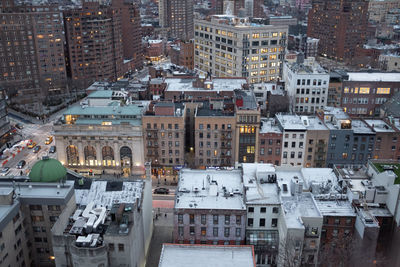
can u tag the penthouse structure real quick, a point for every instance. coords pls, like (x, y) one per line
(164, 144)
(229, 46)
(28, 212)
(32, 41)
(307, 85)
(363, 93)
(112, 224)
(209, 208)
(101, 138)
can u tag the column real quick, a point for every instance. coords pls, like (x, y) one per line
(98, 154)
(117, 155)
(81, 154)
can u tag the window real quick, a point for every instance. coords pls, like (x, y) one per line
(203, 218)
(250, 222)
(364, 90)
(215, 219)
(274, 222)
(238, 232)
(111, 247)
(275, 210)
(251, 209)
(227, 219)
(314, 231)
(191, 230)
(191, 218)
(238, 219)
(348, 221)
(215, 231)
(263, 209)
(337, 221)
(335, 232)
(203, 231)
(226, 232)
(180, 230)
(385, 91)
(262, 222)
(121, 247)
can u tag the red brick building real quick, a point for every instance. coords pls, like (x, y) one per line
(340, 25)
(270, 138)
(183, 54)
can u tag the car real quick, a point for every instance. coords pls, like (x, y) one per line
(31, 145)
(49, 140)
(5, 171)
(21, 164)
(161, 190)
(19, 126)
(36, 149)
(52, 149)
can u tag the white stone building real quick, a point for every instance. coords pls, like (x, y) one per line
(307, 85)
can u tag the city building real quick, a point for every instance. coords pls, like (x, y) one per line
(390, 62)
(363, 92)
(270, 147)
(316, 144)
(378, 10)
(5, 126)
(164, 136)
(98, 139)
(340, 26)
(215, 136)
(35, 68)
(177, 17)
(271, 97)
(229, 46)
(154, 50)
(180, 255)
(209, 208)
(247, 127)
(307, 85)
(28, 212)
(111, 225)
(94, 43)
(335, 88)
(301, 43)
(183, 54)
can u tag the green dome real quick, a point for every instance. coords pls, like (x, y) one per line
(47, 171)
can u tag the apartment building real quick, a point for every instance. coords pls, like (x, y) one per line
(183, 54)
(316, 144)
(209, 208)
(229, 46)
(177, 17)
(94, 43)
(32, 46)
(307, 85)
(345, 20)
(363, 92)
(164, 136)
(101, 138)
(215, 135)
(335, 88)
(270, 142)
(247, 127)
(28, 218)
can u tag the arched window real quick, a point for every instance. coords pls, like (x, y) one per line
(72, 155)
(108, 156)
(90, 155)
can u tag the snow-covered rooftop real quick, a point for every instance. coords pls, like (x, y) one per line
(290, 122)
(219, 84)
(360, 127)
(374, 76)
(269, 125)
(379, 126)
(258, 189)
(210, 189)
(335, 208)
(177, 255)
(107, 193)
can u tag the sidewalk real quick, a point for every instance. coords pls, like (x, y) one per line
(169, 180)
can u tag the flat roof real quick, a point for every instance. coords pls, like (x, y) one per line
(335, 208)
(219, 84)
(182, 255)
(379, 126)
(105, 110)
(257, 192)
(269, 125)
(297, 207)
(210, 189)
(290, 122)
(106, 193)
(374, 76)
(101, 94)
(360, 127)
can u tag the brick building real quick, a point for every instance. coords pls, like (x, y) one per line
(270, 139)
(345, 21)
(177, 17)
(183, 54)
(210, 208)
(363, 93)
(164, 134)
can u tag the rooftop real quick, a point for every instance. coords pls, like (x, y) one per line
(210, 189)
(249, 100)
(335, 208)
(108, 193)
(269, 125)
(379, 126)
(179, 255)
(297, 207)
(374, 76)
(218, 84)
(290, 122)
(307, 67)
(395, 167)
(107, 94)
(360, 127)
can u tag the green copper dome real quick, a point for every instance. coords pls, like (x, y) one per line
(47, 171)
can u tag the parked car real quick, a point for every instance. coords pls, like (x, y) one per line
(5, 171)
(49, 140)
(31, 145)
(161, 190)
(21, 164)
(36, 149)
(52, 149)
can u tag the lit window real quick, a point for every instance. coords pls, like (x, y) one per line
(364, 90)
(383, 91)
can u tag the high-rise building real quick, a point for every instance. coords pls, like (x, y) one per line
(94, 43)
(32, 52)
(251, 8)
(229, 46)
(340, 25)
(177, 15)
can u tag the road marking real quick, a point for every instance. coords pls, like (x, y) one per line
(163, 204)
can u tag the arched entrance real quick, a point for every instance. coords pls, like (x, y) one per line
(90, 156)
(72, 155)
(126, 159)
(108, 156)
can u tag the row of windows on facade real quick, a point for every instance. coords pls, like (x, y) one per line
(163, 152)
(170, 143)
(223, 144)
(208, 135)
(315, 82)
(96, 138)
(203, 231)
(111, 247)
(155, 135)
(366, 90)
(215, 161)
(203, 219)
(309, 100)
(250, 222)
(155, 126)
(307, 91)
(364, 101)
(215, 153)
(201, 126)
